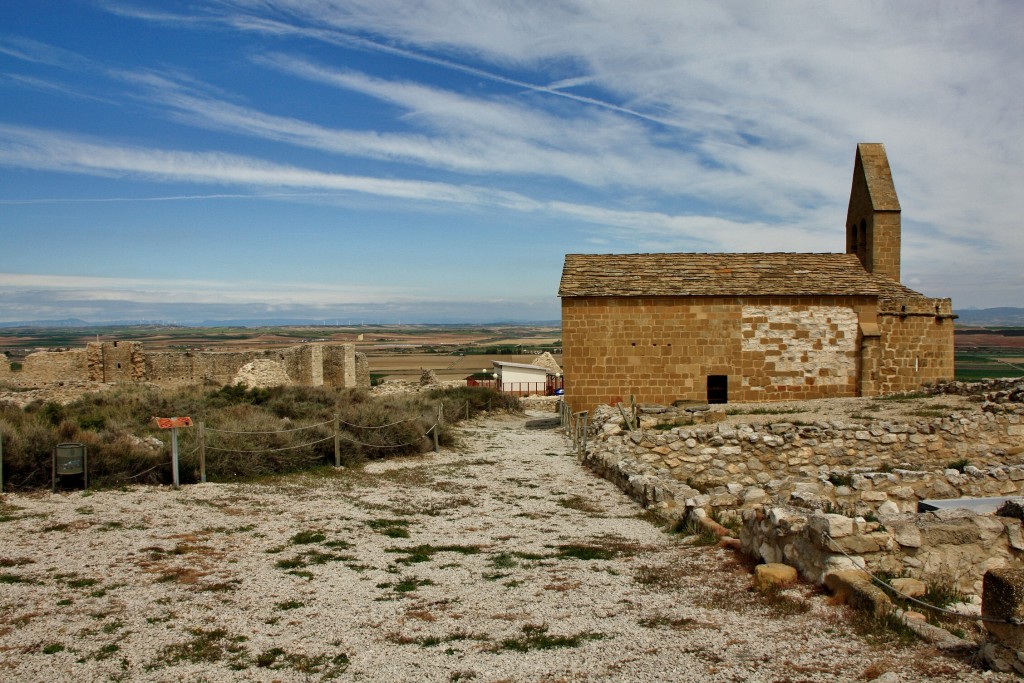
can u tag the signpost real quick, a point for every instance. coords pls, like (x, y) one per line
(173, 423)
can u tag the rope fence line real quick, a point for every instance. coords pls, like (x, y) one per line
(935, 608)
(392, 424)
(279, 431)
(268, 450)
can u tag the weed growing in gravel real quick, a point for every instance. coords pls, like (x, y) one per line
(52, 648)
(783, 603)
(583, 552)
(433, 641)
(207, 646)
(502, 561)
(581, 504)
(14, 578)
(424, 553)
(304, 537)
(289, 604)
(659, 620)
(659, 577)
(536, 637)
(887, 629)
(392, 528)
(406, 584)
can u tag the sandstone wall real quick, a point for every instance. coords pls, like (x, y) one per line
(662, 349)
(952, 545)
(54, 366)
(308, 364)
(917, 344)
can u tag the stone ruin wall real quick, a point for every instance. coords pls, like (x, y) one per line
(790, 483)
(336, 365)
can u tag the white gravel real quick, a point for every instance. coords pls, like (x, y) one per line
(151, 584)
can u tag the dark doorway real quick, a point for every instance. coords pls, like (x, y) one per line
(718, 388)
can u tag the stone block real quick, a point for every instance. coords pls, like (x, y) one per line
(773, 575)
(905, 533)
(913, 588)
(836, 526)
(1003, 600)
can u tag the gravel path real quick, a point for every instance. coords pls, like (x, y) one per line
(502, 561)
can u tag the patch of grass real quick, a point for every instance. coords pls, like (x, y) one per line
(290, 604)
(14, 578)
(392, 528)
(659, 577)
(206, 646)
(52, 648)
(763, 411)
(905, 396)
(502, 561)
(782, 603)
(406, 584)
(959, 465)
(536, 637)
(423, 553)
(696, 533)
(583, 552)
(581, 504)
(885, 630)
(839, 479)
(305, 537)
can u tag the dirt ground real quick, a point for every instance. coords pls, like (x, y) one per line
(503, 560)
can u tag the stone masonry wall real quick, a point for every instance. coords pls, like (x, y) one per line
(917, 345)
(957, 546)
(308, 364)
(54, 366)
(880, 467)
(662, 349)
(802, 349)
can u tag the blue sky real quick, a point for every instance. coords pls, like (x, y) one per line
(434, 160)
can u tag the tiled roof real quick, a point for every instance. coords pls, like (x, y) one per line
(779, 274)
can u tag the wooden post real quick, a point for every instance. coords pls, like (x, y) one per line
(202, 453)
(440, 414)
(337, 442)
(1, 462)
(174, 458)
(437, 448)
(467, 410)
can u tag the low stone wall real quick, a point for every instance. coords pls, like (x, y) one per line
(861, 468)
(957, 546)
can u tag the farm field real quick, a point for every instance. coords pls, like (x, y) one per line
(985, 353)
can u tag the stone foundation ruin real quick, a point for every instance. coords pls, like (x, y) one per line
(331, 365)
(832, 498)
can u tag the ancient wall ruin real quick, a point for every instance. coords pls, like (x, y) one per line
(333, 365)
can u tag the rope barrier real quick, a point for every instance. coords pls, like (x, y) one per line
(903, 595)
(373, 445)
(348, 424)
(279, 431)
(163, 464)
(269, 450)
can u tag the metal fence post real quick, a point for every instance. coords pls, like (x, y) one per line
(174, 458)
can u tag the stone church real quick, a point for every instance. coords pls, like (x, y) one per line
(757, 327)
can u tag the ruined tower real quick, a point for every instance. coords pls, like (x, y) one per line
(873, 219)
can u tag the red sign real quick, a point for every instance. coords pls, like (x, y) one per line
(171, 422)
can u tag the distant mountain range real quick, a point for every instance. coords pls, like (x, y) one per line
(1005, 316)
(1000, 317)
(78, 323)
